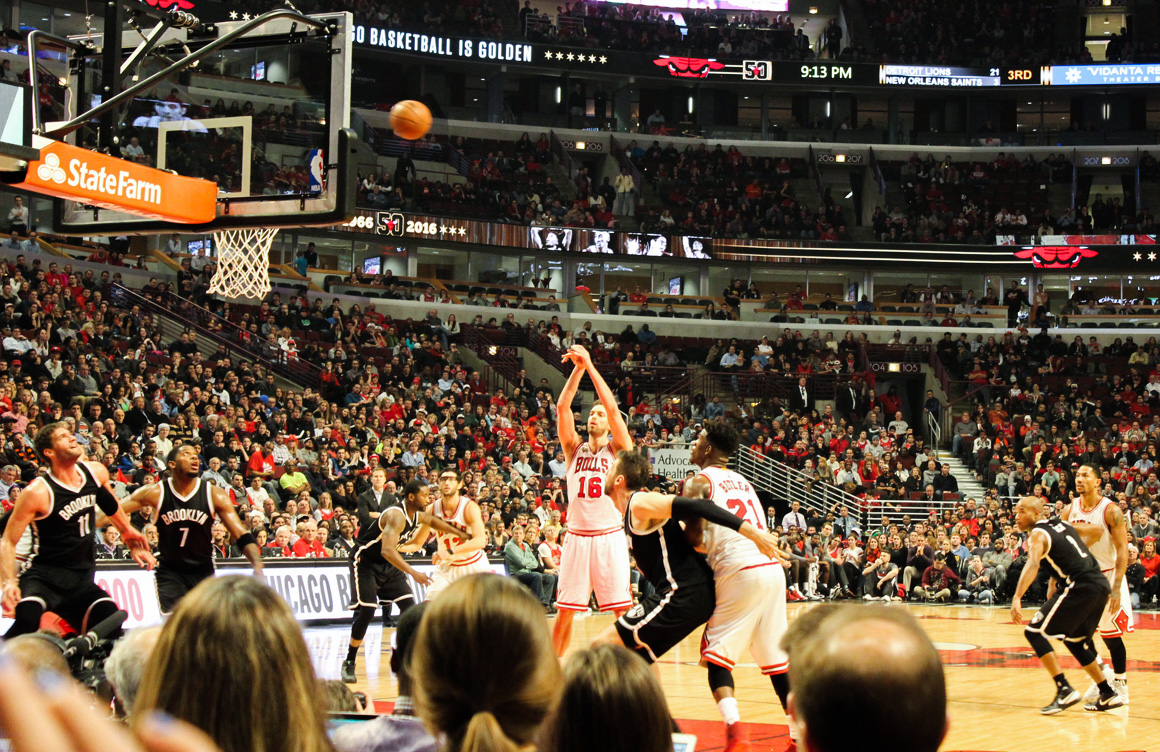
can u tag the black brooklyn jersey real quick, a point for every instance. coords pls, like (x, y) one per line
(1066, 553)
(369, 542)
(666, 557)
(64, 537)
(185, 527)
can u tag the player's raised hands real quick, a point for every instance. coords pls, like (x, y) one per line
(51, 712)
(583, 354)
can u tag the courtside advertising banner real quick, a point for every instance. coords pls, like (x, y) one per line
(318, 591)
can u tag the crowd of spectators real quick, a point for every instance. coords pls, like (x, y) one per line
(708, 33)
(397, 395)
(505, 182)
(961, 202)
(982, 33)
(725, 193)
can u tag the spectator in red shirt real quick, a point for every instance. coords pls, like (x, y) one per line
(308, 545)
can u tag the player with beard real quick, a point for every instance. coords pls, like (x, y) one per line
(456, 556)
(684, 597)
(595, 558)
(60, 509)
(1104, 528)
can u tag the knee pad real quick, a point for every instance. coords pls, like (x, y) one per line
(362, 620)
(27, 619)
(719, 676)
(1082, 652)
(1039, 643)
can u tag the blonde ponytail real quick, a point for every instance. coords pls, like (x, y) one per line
(484, 734)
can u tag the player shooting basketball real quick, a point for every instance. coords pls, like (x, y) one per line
(595, 557)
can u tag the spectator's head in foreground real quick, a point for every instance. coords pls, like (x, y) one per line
(874, 668)
(611, 702)
(127, 663)
(239, 629)
(489, 700)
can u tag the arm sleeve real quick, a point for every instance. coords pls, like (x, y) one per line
(685, 508)
(106, 502)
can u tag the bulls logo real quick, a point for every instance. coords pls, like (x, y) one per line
(1056, 256)
(688, 67)
(756, 70)
(390, 223)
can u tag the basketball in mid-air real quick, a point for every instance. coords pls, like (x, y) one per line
(410, 119)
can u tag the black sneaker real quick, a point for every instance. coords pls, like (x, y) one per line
(348, 672)
(1105, 703)
(1064, 699)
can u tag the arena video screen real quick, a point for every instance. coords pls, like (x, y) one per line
(693, 247)
(597, 241)
(647, 244)
(550, 238)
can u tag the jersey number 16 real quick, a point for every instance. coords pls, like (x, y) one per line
(591, 488)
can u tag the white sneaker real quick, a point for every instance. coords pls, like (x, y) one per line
(886, 599)
(1121, 688)
(1093, 692)
(869, 597)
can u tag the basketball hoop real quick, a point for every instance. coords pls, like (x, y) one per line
(243, 262)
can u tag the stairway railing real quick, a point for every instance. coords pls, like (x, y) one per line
(788, 484)
(209, 326)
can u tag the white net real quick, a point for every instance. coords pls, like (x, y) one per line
(243, 262)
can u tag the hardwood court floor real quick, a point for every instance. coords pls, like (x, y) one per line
(995, 684)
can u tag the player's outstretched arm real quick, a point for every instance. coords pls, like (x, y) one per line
(391, 525)
(243, 537)
(33, 503)
(1036, 548)
(133, 539)
(621, 439)
(145, 496)
(565, 420)
(430, 522)
(649, 508)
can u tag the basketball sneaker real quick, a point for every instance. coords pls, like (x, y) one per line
(1105, 703)
(1064, 699)
(348, 676)
(1121, 688)
(1092, 693)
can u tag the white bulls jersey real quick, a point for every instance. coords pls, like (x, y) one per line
(457, 516)
(728, 550)
(1103, 549)
(590, 510)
